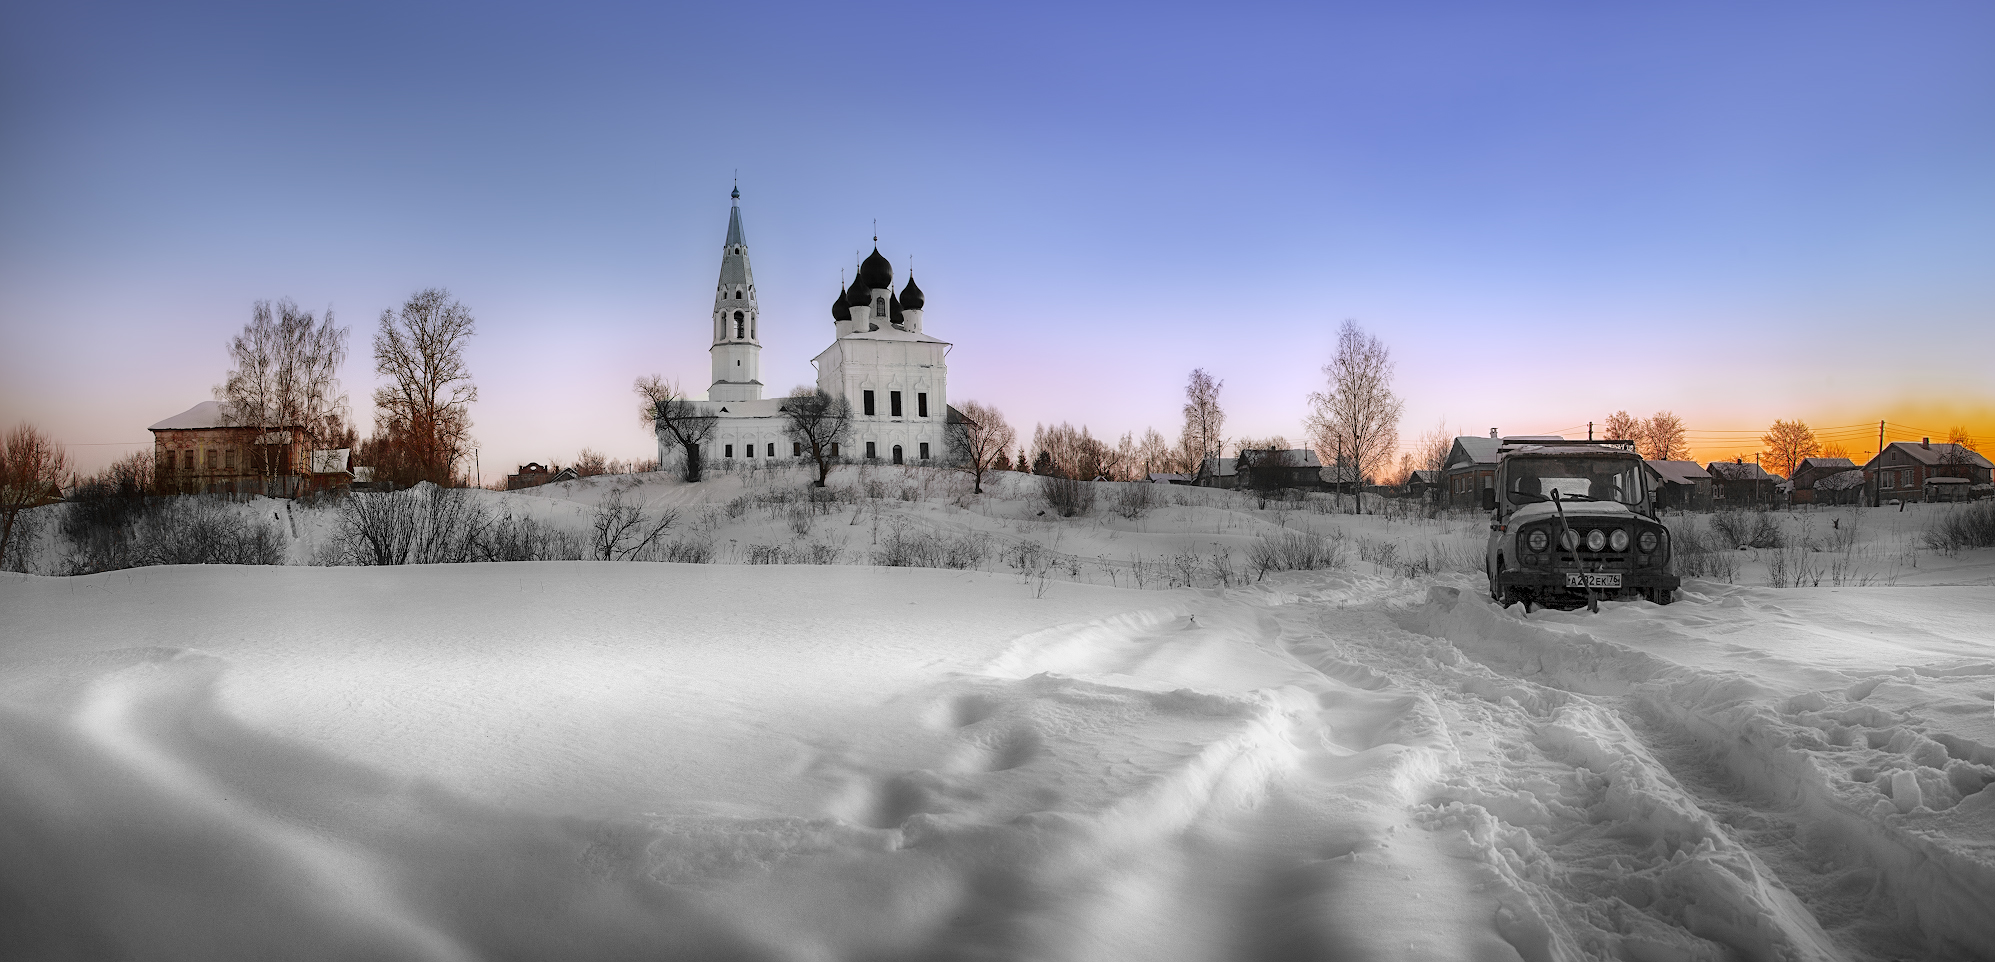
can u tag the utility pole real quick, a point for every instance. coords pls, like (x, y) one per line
(1877, 474)
(1589, 430)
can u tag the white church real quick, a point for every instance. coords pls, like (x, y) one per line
(894, 376)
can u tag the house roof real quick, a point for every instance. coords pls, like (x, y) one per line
(1737, 471)
(1218, 468)
(1423, 476)
(1296, 457)
(1472, 449)
(1680, 472)
(1825, 464)
(1936, 454)
(207, 414)
(1165, 478)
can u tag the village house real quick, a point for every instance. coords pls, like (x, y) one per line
(1270, 468)
(1682, 485)
(1905, 470)
(1422, 484)
(199, 451)
(1471, 467)
(533, 474)
(1738, 484)
(1217, 473)
(1801, 488)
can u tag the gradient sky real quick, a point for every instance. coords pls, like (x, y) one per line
(1547, 211)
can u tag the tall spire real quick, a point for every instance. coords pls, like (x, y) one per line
(737, 342)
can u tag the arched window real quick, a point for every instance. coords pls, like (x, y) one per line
(740, 326)
(897, 454)
(737, 295)
(879, 305)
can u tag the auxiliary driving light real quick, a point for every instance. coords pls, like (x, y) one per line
(1618, 540)
(1596, 540)
(1648, 541)
(1538, 540)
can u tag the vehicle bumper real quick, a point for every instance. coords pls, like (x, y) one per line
(1638, 579)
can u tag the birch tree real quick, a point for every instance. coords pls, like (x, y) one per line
(980, 440)
(285, 372)
(1205, 424)
(1358, 417)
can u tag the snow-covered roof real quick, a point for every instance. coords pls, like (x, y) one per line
(1937, 454)
(207, 414)
(1948, 481)
(1480, 449)
(1219, 467)
(767, 407)
(362, 474)
(1424, 476)
(1827, 463)
(891, 333)
(329, 462)
(1680, 472)
(1739, 471)
(1157, 477)
(1294, 457)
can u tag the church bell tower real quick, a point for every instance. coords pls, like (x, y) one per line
(737, 345)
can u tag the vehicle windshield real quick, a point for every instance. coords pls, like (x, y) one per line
(1531, 480)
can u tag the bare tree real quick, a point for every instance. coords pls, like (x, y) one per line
(1787, 443)
(590, 463)
(427, 403)
(1835, 450)
(979, 439)
(1662, 438)
(1156, 455)
(622, 529)
(1622, 426)
(31, 469)
(1205, 424)
(672, 414)
(817, 419)
(285, 374)
(1075, 453)
(1957, 454)
(1431, 452)
(1359, 416)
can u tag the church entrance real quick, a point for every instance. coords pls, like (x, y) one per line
(897, 454)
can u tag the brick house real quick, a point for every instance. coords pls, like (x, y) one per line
(199, 452)
(1736, 484)
(1901, 471)
(1801, 487)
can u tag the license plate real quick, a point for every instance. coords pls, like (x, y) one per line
(1574, 580)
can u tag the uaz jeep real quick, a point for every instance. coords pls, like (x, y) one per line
(1573, 522)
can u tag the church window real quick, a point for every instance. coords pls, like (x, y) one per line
(729, 451)
(737, 295)
(870, 453)
(921, 405)
(740, 325)
(897, 454)
(834, 449)
(879, 306)
(924, 450)
(796, 449)
(866, 399)
(894, 403)
(772, 449)
(751, 451)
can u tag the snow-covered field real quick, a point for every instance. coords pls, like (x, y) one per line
(1058, 752)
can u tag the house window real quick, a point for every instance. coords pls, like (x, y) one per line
(169, 460)
(796, 449)
(834, 449)
(924, 450)
(229, 459)
(897, 454)
(729, 451)
(866, 399)
(894, 403)
(870, 453)
(214, 458)
(187, 459)
(921, 406)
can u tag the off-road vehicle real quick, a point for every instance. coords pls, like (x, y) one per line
(1573, 522)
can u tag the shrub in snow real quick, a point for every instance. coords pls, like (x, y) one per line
(1971, 526)
(1065, 496)
(1292, 551)
(1134, 498)
(622, 530)
(112, 531)
(422, 525)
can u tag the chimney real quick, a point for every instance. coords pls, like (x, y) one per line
(1926, 443)
(1492, 433)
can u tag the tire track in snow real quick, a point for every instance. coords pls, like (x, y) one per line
(1765, 766)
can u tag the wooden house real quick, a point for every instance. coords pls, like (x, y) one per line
(1901, 470)
(1681, 485)
(1801, 487)
(1736, 484)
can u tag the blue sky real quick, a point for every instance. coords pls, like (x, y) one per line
(1548, 211)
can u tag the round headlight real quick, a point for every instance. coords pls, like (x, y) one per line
(1570, 539)
(1538, 539)
(1618, 540)
(1596, 540)
(1648, 541)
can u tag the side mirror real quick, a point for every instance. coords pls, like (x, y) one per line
(1489, 499)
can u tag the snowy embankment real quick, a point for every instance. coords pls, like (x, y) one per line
(599, 760)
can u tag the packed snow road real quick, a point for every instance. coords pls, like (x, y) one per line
(584, 760)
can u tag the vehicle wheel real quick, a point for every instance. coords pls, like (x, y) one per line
(1662, 596)
(1494, 594)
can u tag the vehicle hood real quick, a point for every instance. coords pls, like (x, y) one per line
(1576, 511)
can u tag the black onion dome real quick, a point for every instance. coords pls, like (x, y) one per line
(911, 295)
(859, 297)
(839, 312)
(894, 310)
(875, 272)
